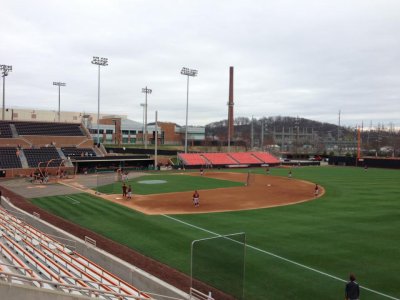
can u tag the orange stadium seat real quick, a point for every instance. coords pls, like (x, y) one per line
(266, 157)
(245, 158)
(192, 159)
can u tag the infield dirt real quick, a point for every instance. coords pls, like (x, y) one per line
(264, 191)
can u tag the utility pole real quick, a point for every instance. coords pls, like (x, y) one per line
(230, 109)
(338, 135)
(296, 125)
(156, 143)
(252, 133)
(262, 135)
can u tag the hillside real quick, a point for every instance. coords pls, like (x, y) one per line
(297, 134)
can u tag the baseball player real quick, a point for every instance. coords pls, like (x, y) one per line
(129, 192)
(196, 198)
(124, 188)
(316, 190)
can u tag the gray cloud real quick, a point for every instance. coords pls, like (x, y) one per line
(296, 58)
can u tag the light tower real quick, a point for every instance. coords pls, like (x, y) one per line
(145, 91)
(4, 72)
(59, 84)
(100, 61)
(143, 105)
(193, 73)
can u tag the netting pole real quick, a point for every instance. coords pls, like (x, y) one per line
(97, 181)
(244, 266)
(191, 263)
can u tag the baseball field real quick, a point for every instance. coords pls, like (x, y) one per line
(299, 251)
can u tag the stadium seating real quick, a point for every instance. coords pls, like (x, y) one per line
(5, 130)
(44, 154)
(245, 158)
(48, 129)
(28, 256)
(266, 157)
(73, 152)
(220, 159)
(192, 159)
(9, 158)
(228, 159)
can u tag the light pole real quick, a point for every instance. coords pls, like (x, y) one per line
(187, 72)
(156, 143)
(4, 70)
(59, 84)
(145, 91)
(143, 105)
(100, 61)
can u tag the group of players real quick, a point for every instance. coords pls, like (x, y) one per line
(196, 195)
(127, 190)
(290, 175)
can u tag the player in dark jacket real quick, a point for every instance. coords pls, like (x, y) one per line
(352, 291)
(124, 188)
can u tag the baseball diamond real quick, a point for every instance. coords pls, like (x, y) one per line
(266, 191)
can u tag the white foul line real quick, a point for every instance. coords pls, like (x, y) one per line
(283, 258)
(74, 201)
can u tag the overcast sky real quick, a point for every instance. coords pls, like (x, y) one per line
(293, 58)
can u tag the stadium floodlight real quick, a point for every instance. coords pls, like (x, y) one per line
(4, 72)
(143, 105)
(189, 73)
(100, 61)
(59, 84)
(145, 91)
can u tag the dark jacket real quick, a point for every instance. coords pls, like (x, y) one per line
(352, 290)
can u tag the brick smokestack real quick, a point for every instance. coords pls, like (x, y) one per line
(230, 106)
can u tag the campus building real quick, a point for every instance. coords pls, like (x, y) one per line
(113, 129)
(41, 115)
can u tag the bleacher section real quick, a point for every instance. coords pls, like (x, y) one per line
(48, 129)
(228, 159)
(28, 256)
(220, 159)
(44, 154)
(9, 158)
(266, 157)
(78, 152)
(245, 158)
(5, 130)
(192, 159)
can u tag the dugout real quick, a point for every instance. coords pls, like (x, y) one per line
(373, 162)
(91, 164)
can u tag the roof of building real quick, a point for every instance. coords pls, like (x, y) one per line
(130, 123)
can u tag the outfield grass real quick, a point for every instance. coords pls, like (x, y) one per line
(174, 183)
(354, 227)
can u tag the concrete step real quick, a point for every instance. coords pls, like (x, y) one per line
(22, 157)
(14, 131)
